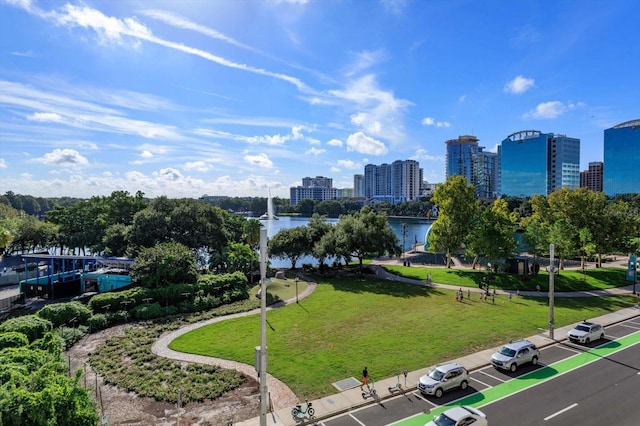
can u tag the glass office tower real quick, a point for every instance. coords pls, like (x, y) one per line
(622, 159)
(524, 164)
(535, 163)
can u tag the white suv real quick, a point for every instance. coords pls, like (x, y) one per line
(585, 332)
(512, 355)
(442, 378)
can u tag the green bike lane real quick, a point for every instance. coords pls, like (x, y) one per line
(529, 380)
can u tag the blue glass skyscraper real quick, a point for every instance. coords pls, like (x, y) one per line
(535, 163)
(622, 159)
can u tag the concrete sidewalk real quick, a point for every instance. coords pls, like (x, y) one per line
(350, 399)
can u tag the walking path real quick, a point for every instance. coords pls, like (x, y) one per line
(283, 399)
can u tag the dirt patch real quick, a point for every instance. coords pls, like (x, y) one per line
(126, 408)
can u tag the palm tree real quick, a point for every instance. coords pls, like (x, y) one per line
(251, 231)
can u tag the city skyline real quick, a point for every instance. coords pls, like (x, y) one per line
(238, 98)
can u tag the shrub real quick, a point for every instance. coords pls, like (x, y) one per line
(70, 335)
(31, 326)
(13, 339)
(62, 313)
(148, 311)
(97, 322)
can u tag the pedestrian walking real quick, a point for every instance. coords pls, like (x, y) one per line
(538, 288)
(365, 378)
(469, 294)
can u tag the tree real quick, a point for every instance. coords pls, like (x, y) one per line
(251, 232)
(492, 233)
(457, 209)
(306, 207)
(365, 234)
(291, 243)
(164, 265)
(318, 227)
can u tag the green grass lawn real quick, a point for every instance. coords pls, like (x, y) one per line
(566, 280)
(348, 323)
(284, 289)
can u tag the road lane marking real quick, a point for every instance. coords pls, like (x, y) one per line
(493, 377)
(569, 348)
(557, 413)
(481, 382)
(531, 379)
(630, 326)
(354, 418)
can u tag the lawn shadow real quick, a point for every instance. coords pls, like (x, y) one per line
(374, 285)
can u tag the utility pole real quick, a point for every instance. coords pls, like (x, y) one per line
(263, 326)
(552, 270)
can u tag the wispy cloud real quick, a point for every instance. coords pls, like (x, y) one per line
(109, 29)
(364, 60)
(519, 85)
(550, 110)
(182, 22)
(380, 113)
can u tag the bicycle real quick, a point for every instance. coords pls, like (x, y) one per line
(308, 409)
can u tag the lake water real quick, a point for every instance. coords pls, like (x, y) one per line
(415, 230)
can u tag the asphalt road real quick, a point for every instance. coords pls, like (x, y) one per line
(603, 391)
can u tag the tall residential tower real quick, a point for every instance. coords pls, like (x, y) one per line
(622, 158)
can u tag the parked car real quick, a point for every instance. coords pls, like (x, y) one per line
(460, 416)
(585, 332)
(442, 378)
(514, 354)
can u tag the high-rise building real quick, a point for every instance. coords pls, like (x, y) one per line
(592, 177)
(535, 163)
(396, 182)
(466, 158)
(319, 188)
(358, 185)
(622, 159)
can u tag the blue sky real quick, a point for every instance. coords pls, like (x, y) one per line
(193, 97)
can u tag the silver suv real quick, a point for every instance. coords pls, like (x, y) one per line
(585, 332)
(512, 355)
(442, 378)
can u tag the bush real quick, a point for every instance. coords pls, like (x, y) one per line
(148, 311)
(31, 326)
(70, 335)
(97, 322)
(13, 339)
(63, 313)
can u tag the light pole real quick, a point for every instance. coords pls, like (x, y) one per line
(552, 271)
(263, 326)
(404, 244)
(296, 281)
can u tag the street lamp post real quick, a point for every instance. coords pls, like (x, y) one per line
(263, 326)
(296, 281)
(404, 244)
(552, 271)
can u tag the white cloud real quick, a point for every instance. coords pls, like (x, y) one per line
(364, 60)
(552, 109)
(423, 155)
(395, 6)
(430, 121)
(3, 163)
(314, 151)
(519, 85)
(146, 154)
(462, 98)
(64, 157)
(364, 144)
(260, 160)
(335, 142)
(348, 164)
(380, 113)
(45, 117)
(199, 166)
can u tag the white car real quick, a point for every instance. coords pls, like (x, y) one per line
(585, 332)
(460, 416)
(442, 378)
